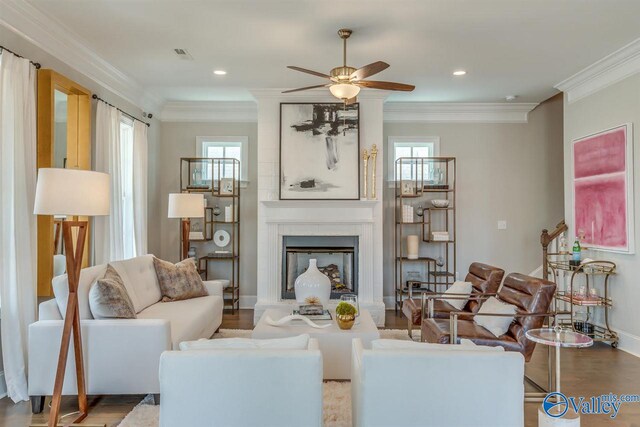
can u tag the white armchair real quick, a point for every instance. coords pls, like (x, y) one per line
(436, 385)
(229, 387)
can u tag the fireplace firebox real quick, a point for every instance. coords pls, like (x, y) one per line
(337, 258)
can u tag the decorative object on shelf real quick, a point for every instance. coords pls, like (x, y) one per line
(407, 214)
(420, 211)
(365, 161)
(353, 300)
(311, 135)
(71, 192)
(287, 319)
(226, 186)
(312, 283)
(374, 154)
(440, 236)
(221, 238)
(345, 315)
(192, 252)
(216, 210)
(408, 187)
(412, 246)
(603, 189)
(186, 206)
(440, 203)
(228, 214)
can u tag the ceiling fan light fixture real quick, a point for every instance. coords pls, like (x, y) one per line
(344, 90)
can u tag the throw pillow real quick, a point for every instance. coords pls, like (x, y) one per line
(387, 344)
(179, 281)
(300, 342)
(459, 287)
(497, 325)
(108, 298)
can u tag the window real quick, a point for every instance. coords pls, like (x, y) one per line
(231, 147)
(414, 146)
(126, 174)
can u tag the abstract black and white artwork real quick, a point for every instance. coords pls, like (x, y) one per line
(319, 151)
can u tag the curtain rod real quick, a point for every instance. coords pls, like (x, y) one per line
(94, 96)
(35, 64)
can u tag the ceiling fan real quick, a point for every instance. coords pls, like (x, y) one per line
(345, 81)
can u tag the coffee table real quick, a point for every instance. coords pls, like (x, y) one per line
(334, 343)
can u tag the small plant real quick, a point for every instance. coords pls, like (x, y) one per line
(345, 309)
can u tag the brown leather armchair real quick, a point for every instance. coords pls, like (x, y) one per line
(532, 297)
(485, 279)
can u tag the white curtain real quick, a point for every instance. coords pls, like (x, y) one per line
(109, 243)
(17, 221)
(140, 186)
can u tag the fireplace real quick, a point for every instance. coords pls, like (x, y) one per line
(337, 258)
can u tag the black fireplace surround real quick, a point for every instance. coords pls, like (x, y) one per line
(337, 258)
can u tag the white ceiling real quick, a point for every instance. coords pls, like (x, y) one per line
(507, 46)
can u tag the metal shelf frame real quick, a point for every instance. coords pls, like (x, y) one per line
(423, 187)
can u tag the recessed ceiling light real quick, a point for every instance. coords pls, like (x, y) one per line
(511, 97)
(459, 73)
(219, 72)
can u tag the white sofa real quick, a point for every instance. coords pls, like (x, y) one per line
(420, 384)
(121, 356)
(241, 388)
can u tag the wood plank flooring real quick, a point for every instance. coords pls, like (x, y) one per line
(585, 372)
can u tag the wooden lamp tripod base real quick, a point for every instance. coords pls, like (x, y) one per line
(71, 324)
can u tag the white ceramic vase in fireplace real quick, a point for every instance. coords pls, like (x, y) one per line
(313, 286)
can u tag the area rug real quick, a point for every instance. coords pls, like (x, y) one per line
(336, 396)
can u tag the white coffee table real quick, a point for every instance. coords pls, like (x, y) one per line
(335, 343)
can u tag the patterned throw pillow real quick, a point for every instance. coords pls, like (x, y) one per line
(179, 281)
(108, 298)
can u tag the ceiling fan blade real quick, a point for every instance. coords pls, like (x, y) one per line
(368, 70)
(304, 70)
(351, 101)
(304, 88)
(385, 85)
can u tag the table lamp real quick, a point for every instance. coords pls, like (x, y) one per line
(186, 206)
(71, 192)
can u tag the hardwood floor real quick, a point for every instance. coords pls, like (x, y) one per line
(585, 372)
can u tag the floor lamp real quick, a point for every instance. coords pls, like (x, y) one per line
(71, 192)
(186, 206)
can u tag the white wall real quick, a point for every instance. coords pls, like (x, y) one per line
(609, 107)
(178, 139)
(509, 172)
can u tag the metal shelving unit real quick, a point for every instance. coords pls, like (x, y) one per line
(559, 264)
(425, 179)
(219, 180)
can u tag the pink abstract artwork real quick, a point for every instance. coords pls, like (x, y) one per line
(601, 209)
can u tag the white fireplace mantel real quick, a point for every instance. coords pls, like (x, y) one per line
(279, 218)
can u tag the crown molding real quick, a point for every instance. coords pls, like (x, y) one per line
(611, 69)
(57, 40)
(205, 111)
(456, 112)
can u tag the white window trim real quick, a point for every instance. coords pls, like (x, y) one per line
(244, 150)
(393, 140)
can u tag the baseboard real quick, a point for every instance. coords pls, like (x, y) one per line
(389, 302)
(248, 301)
(3, 386)
(629, 343)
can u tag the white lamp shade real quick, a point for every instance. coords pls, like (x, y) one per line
(186, 205)
(344, 90)
(71, 192)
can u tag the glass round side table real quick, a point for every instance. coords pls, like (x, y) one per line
(558, 338)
